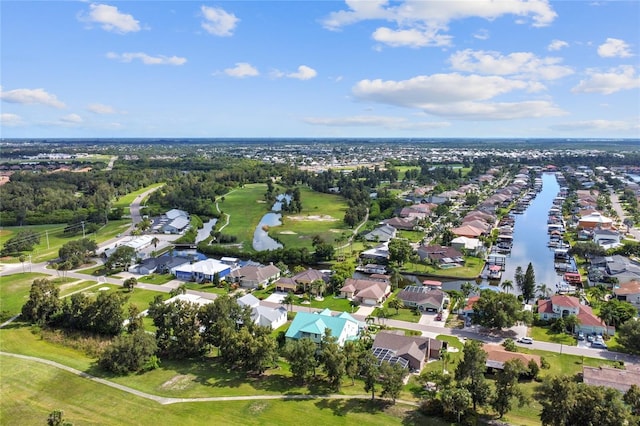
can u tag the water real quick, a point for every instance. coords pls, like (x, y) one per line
(261, 238)
(205, 232)
(530, 238)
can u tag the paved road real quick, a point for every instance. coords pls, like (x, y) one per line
(615, 203)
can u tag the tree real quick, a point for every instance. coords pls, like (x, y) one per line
(392, 377)
(22, 241)
(396, 304)
(56, 418)
(333, 359)
(352, 352)
(318, 286)
(466, 288)
(22, 258)
(543, 289)
(77, 252)
(571, 322)
(370, 371)
(496, 310)
(289, 300)
(470, 372)
(632, 399)
(43, 303)
(128, 353)
(134, 319)
(130, 283)
(301, 354)
(396, 277)
(121, 258)
(528, 284)
(440, 379)
(557, 397)
(177, 328)
(615, 312)
(400, 251)
(456, 401)
(507, 386)
(507, 286)
(106, 313)
(629, 335)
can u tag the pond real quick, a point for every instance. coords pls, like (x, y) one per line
(205, 232)
(261, 238)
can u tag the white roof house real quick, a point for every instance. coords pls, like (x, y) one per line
(202, 270)
(175, 213)
(264, 315)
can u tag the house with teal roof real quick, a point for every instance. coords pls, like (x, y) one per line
(313, 325)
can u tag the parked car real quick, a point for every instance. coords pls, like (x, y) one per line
(599, 345)
(590, 338)
(527, 340)
(439, 316)
(580, 335)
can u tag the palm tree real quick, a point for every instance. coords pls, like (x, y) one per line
(571, 322)
(507, 285)
(155, 242)
(466, 289)
(288, 300)
(396, 304)
(542, 288)
(318, 287)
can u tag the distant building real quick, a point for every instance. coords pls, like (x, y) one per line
(560, 306)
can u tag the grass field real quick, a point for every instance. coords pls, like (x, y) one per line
(245, 206)
(544, 334)
(14, 290)
(138, 297)
(126, 200)
(89, 403)
(158, 279)
(52, 238)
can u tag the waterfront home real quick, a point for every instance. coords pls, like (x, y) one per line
(606, 238)
(305, 278)
(313, 325)
(412, 352)
(367, 292)
(606, 268)
(378, 254)
(423, 298)
(560, 306)
(468, 231)
(255, 276)
(202, 271)
(441, 255)
(470, 245)
(403, 223)
(629, 292)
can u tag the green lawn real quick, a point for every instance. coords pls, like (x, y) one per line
(209, 288)
(138, 297)
(412, 236)
(67, 289)
(322, 214)
(330, 301)
(404, 314)
(87, 402)
(544, 334)
(14, 290)
(156, 279)
(126, 200)
(471, 269)
(246, 206)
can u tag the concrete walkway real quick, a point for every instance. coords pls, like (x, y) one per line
(166, 400)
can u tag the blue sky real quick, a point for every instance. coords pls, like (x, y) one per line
(475, 68)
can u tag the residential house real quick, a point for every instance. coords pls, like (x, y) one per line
(405, 224)
(617, 266)
(615, 378)
(174, 221)
(606, 238)
(595, 220)
(441, 255)
(313, 325)
(265, 316)
(467, 310)
(161, 265)
(202, 271)
(381, 234)
(471, 245)
(629, 292)
(378, 254)
(305, 278)
(286, 284)
(468, 231)
(367, 292)
(423, 298)
(412, 352)
(255, 276)
(560, 306)
(372, 268)
(497, 355)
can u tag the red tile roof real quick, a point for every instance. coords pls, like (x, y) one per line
(567, 301)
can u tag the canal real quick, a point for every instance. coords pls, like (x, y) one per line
(530, 238)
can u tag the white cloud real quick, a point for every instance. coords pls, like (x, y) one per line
(242, 70)
(482, 34)
(101, 109)
(614, 48)
(111, 19)
(31, 96)
(420, 23)
(12, 120)
(304, 73)
(71, 119)
(457, 96)
(557, 45)
(411, 37)
(598, 125)
(398, 123)
(520, 64)
(147, 59)
(218, 21)
(620, 78)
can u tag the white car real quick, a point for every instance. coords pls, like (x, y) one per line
(527, 340)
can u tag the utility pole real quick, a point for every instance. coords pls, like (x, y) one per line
(83, 229)
(47, 235)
